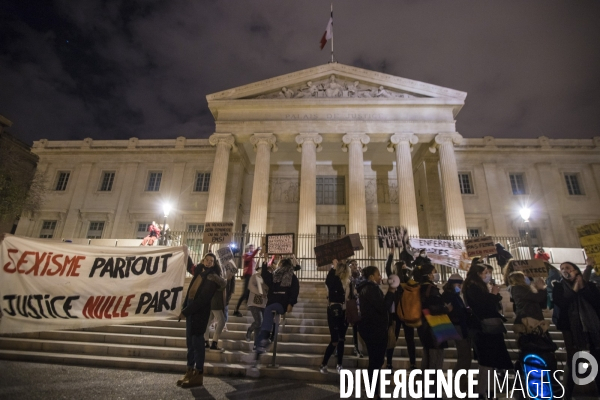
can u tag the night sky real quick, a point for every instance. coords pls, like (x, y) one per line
(118, 69)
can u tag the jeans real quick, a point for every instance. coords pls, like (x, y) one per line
(262, 340)
(336, 319)
(257, 314)
(195, 347)
(409, 336)
(376, 345)
(215, 315)
(245, 293)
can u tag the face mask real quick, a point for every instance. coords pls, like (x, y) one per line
(566, 275)
(457, 289)
(527, 280)
(488, 278)
(436, 277)
(422, 255)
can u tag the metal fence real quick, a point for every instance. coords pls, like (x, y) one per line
(372, 254)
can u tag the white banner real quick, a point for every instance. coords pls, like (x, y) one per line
(451, 253)
(48, 285)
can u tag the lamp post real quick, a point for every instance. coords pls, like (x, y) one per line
(166, 210)
(525, 214)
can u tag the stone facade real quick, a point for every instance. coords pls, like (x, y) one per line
(273, 145)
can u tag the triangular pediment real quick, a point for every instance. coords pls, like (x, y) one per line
(331, 81)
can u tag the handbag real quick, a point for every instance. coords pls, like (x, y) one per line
(493, 325)
(391, 343)
(441, 327)
(352, 311)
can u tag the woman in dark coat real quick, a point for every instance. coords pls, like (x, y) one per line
(217, 313)
(576, 306)
(373, 326)
(459, 316)
(490, 347)
(196, 311)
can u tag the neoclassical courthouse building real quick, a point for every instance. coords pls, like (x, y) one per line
(332, 149)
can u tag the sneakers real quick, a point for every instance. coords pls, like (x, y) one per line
(248, 335)
(187, 376)
(214, 347)
(236, 313)
(357, 353)
(323, 369)
(196, 379)
(338, 368)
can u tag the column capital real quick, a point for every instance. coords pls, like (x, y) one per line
(309, 137)
(222, 138)
(264, 138)
(448, 137)
(362, 138)
(398, 138)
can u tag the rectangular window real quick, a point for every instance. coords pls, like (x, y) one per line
(195, 228)
(107, 181)
(95, 230)
(573, 187)
(61, 181)
(464, 180)
(48, 228)
(154, 179)
(142, 230)
(331, 190)
(329, 233)
(474, 232)
(202, 182)
(517, 183)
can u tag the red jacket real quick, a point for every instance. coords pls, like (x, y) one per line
(249, 262)
(542, 256)
(153, 230)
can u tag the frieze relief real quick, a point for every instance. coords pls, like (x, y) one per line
(284, 190)
(334, 87)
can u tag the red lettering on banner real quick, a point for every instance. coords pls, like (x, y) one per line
(101, 307)
(115, 314)
(21, 264)
(6, 266)
(56, 263)
(36, 264)
(23, 260)
(127, 304)
(90, 306)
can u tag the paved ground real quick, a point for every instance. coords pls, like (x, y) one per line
(20, 380)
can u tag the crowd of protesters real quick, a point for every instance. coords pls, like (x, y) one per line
(473, 306)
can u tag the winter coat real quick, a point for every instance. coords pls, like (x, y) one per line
(284, 295)
(431, 299)
(527, 303)
(374, 310)
(336, 292)
(249, 263)
(420, 261)
(459, 315)
(404, 274)
(502, 255)
(563, 300)
(198, 308)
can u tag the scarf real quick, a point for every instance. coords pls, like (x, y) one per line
(283, 275)
(584, 322)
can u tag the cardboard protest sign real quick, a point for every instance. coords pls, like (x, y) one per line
(532, 268)
(390, 236)
(279, 243)
(47, 285)
(589, 237)
(356, 243)
(336, 250)
(443, 252)
(480, 246)
(217, 232)
(224, 254)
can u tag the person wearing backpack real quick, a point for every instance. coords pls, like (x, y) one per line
(404, 274)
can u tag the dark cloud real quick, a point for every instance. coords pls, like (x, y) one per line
(143, 68)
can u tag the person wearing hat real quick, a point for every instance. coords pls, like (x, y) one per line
(459, 316)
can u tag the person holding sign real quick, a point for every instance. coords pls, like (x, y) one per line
(257, 301)
(249, 268)
(217, 315)
(576, 305)
(196, 311)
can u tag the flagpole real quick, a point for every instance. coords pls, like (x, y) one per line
(332, 32)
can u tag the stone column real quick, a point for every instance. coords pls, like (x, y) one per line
(455, 212)
(263, 144)
(218, 177)
(308, 145)
(81, 184)
(407, 201)
(355, 145)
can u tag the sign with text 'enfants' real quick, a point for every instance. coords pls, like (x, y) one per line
(279, 243)
(444, 252)
(480, 246)
(47, 285)
(336, 250)
(217, 232)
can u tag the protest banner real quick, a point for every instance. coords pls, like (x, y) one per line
(480, 246)
(217, 232)
(443, 252)
(532, 268)
(336, 250)
(224, 254)
(589, 237)
(279, 243)
(47, 285)
(356, 243)
(390, 236)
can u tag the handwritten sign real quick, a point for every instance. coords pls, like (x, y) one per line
(443, 252)
(390, 236)
(480, 246)
(280, 243)
(336, 250)
(531, 268)
(356, 243)
(589, 237)
(217, 232)
(224, 254)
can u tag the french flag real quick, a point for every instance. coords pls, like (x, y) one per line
(328, 32)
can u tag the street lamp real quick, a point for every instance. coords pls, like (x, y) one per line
(525, 214)
(166, 210)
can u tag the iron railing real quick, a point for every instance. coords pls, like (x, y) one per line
(372, 255)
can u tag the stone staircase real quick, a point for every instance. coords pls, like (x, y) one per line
(160, 345)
